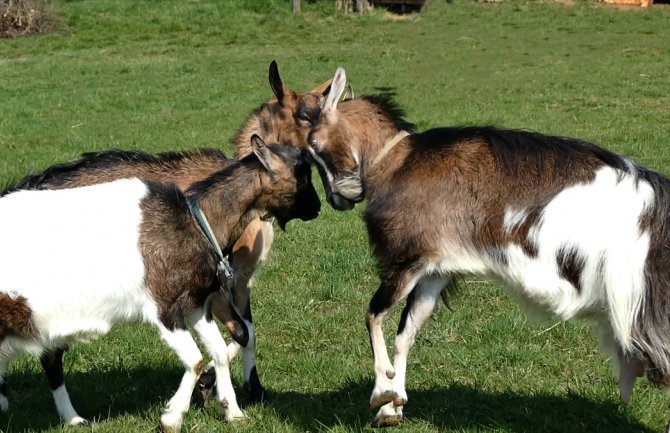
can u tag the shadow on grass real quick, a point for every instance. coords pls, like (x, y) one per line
(95, 395)
(103, 395)
(459, 407)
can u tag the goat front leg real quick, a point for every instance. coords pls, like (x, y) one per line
(181, 341)
(52, 363)
(390, 292)
(251, 250)
(420, 305)
(251, 381)
(216, 347)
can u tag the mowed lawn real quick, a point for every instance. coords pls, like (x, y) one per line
(171, 75)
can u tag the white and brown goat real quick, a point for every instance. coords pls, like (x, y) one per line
(130, 250)
(284, 119)
(574, 230)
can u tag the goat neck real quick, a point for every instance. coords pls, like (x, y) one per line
(228, 198)
(368, 131)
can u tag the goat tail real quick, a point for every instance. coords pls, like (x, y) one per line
(452, 286)
(651, 333)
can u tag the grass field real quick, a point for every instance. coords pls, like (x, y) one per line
(168, 75)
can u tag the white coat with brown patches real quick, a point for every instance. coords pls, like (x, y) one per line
(574, 230)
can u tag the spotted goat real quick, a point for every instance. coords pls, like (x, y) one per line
(156, 265)
(286, 118)
(573, 229)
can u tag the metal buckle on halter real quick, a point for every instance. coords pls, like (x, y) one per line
(225, 274)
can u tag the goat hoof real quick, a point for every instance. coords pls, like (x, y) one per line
(390, 373)
(257, 395)
(171, 423)
(388, 416)
(387, 421)
(77, 420)
(256, 391)
(203, 388)
(380, 400)
(239, 418)
(233, 414)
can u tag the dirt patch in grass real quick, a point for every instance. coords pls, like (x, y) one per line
(26, 17)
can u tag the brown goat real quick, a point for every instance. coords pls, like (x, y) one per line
(286, 117)
(573, 229)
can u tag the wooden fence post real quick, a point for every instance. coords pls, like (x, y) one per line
(295, 4)
(362, 5)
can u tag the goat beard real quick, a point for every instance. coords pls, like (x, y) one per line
(349, 187)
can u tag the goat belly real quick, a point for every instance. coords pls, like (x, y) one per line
(74, 255)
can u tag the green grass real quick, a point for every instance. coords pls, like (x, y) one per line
(169, 75)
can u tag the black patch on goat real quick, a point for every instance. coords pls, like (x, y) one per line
(405, 311)
(308, 112)
(570, 266)
(52, 363)
(63, 173)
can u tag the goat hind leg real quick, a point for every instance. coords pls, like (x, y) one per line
(52, 363)
(420, 305)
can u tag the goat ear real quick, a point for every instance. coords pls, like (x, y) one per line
(263, 154)
(336, 90)
(276, 83)
(349, 93)
(323, 89)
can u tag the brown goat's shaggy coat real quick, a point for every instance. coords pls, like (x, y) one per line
(573, 230)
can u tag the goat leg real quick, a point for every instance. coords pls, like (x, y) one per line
(223, 308)
(52, 363)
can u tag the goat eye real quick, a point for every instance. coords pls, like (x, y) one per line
(313, 143)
